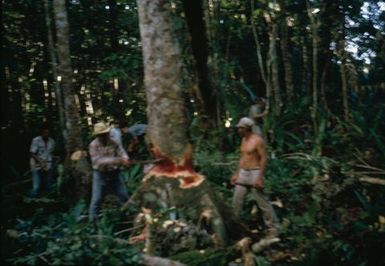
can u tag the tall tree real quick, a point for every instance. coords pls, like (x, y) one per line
(75, 160)
(173, 179)
(265, 77)
(286, 58)
(200, 49)
(314, 24)
(271, 17)
(52, 56)
(71, 109)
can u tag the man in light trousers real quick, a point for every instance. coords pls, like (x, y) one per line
(250, 175)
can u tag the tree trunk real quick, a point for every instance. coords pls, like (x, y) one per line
(284, 42)
(199, 43)
(305, 69)
(74, 141)
(163, 80)
(274, 68)
(173, 181)
(323, 85)
(52, 55)
(272, 62)
(314, 29)
(261, 65)
(344, 80)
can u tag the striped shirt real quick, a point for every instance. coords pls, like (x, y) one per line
(106, 157)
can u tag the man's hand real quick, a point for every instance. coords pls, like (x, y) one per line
(233, 179)
(125, 162)
(43, 165)
(260, 182)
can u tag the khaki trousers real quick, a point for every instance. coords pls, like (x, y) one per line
(240, 191)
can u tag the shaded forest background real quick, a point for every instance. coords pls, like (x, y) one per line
(320, 65)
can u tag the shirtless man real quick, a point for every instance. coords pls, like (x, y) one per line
(250, 175)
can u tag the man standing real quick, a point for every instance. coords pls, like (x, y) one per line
(116, 132)
(41, 149)
(250, 175)
(106, 157)
(257, 112)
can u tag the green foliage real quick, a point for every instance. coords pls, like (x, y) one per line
(206, 257)
(66, 239)
(328, 217)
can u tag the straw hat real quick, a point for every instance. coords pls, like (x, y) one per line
(245, 122)
(101, 128)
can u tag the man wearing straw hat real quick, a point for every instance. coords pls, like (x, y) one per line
(106, 157)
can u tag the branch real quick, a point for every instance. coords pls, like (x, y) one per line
(372, 180)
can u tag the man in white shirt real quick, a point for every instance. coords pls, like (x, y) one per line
(42, 148)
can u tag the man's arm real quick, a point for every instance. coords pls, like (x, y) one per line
(261, 150)
(98, 160)
(260, 114)
(33, 150)
(123, 155)
(235, 177)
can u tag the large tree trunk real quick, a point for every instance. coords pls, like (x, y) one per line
(52, 56)
(173, 181)
(163, 81)
(74, 141)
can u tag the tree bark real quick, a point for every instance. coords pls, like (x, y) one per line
(74, 141)
(193, 10)
(344, 81)
(52, 56)
(78, 168)
(305, 69)
(314, 23)
(274, 68)
(261, 65)
(284, 42)
(163, 81)
(173, 181)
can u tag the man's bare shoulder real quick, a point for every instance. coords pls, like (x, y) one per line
(257, 139)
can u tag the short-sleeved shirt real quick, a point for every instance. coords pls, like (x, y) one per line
(256, 109)
(43, 150)
(106, 157)
(137, 130)
(116, 135)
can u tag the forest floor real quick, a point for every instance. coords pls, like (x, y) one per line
(330, 206)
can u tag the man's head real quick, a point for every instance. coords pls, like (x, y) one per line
(44, 132)
(123, 125)
(260, 101)
(101, 131)
(244, 126)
